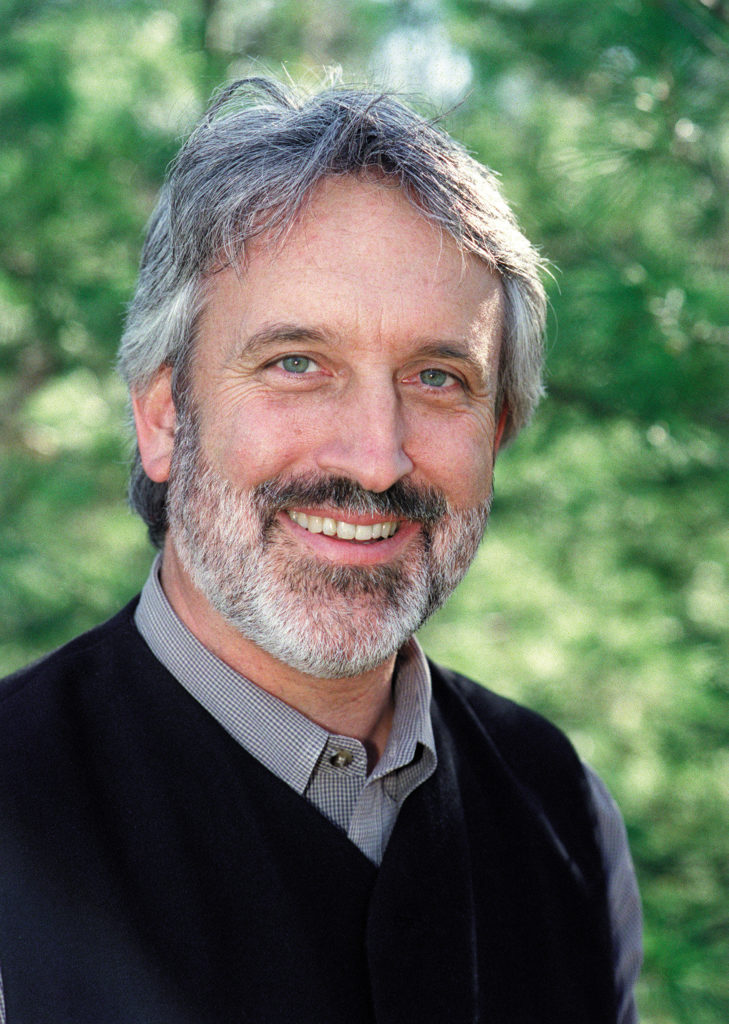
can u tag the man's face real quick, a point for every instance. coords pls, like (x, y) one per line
(331, 484)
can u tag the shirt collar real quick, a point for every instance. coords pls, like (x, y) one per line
(281, 738)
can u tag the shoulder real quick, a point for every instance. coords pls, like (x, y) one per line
(89, 655)
(518, 732)
(546, 768)
(56, 716)
(525, 751)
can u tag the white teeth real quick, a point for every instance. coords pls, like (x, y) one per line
(344, 531)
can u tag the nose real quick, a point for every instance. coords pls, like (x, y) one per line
(366, 438)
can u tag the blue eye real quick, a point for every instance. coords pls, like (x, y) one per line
(435, 378)
(296, 364)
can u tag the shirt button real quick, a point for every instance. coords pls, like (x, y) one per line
(342, 758)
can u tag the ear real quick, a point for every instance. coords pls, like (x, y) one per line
(500, 426)
(155, 418)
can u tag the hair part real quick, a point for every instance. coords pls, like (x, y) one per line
(250, 166)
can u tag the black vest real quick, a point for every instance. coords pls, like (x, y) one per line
(153, 872)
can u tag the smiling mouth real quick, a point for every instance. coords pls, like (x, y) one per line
(342, 530)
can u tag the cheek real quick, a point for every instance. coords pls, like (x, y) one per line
(252, 444)
(467, 479)
(456, 460)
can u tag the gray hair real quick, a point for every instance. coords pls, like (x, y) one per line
(250, 165)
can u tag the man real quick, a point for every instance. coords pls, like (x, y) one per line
(249, 797)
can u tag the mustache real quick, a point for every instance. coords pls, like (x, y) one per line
(404, 500)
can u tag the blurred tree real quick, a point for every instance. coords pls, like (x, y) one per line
(615, 119)
(92, 98)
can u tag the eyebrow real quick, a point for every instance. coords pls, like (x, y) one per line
(466, 352)
(463, 350)
(274, 334)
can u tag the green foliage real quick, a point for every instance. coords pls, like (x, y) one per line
(601, 595)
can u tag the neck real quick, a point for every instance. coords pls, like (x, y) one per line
(358, 706)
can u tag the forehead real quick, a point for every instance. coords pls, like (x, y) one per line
(364, 263)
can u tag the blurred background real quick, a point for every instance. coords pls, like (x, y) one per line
(601, 595)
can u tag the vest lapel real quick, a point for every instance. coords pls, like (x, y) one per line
(421, 928)
(480, 913)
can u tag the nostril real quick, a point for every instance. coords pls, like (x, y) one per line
(375, 467)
